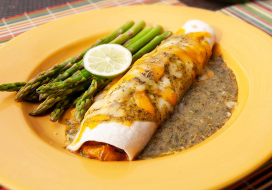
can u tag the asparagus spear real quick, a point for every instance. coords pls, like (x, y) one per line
(38, 80)
(60, 107)
(144, 40)
(115, 34)
(73, 104)
(74, 80)
(46, 94)
(50, 88)
(85, 102)
(50, 91)
(151, 45)
(58, 96)
(32, 97)
(130, 33)
(48, 103)
(69, 72)
(43, 96)
(138, 36)
(10, 87)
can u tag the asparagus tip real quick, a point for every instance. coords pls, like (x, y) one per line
(32, 113)
(53, 119)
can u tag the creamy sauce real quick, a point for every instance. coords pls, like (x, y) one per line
(204, 109)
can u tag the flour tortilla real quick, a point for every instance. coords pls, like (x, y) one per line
(132, 139)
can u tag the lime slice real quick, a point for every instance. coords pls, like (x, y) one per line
(107, 60)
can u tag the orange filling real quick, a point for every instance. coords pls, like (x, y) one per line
(193, 74)
(103, 152)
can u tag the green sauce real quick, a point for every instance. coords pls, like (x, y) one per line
(203, 110)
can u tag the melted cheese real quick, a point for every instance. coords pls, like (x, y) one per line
(165, 74)
(152, 87)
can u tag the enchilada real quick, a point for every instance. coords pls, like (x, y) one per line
(118, 126)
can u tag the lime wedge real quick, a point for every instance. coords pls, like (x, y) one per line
(108, 60)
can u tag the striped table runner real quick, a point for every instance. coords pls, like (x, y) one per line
(16, 25)
(257, 13)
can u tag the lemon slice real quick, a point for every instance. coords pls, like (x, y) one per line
(107, 60)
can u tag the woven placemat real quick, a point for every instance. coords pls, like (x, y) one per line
(10, 8)
(257, 13)
(13, 26)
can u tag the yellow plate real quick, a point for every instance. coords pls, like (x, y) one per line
(32, 157)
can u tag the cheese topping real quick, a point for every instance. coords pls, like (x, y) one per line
(154, 85)
(129, 99)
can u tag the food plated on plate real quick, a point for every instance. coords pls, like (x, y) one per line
(119, 124)
(69, 79)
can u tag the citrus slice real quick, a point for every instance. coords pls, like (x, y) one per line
(107, 60)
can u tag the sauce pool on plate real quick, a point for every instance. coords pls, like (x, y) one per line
(204, 109)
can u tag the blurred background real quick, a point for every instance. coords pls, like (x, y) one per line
(14, 7)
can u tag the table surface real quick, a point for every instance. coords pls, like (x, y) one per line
(10, 8)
